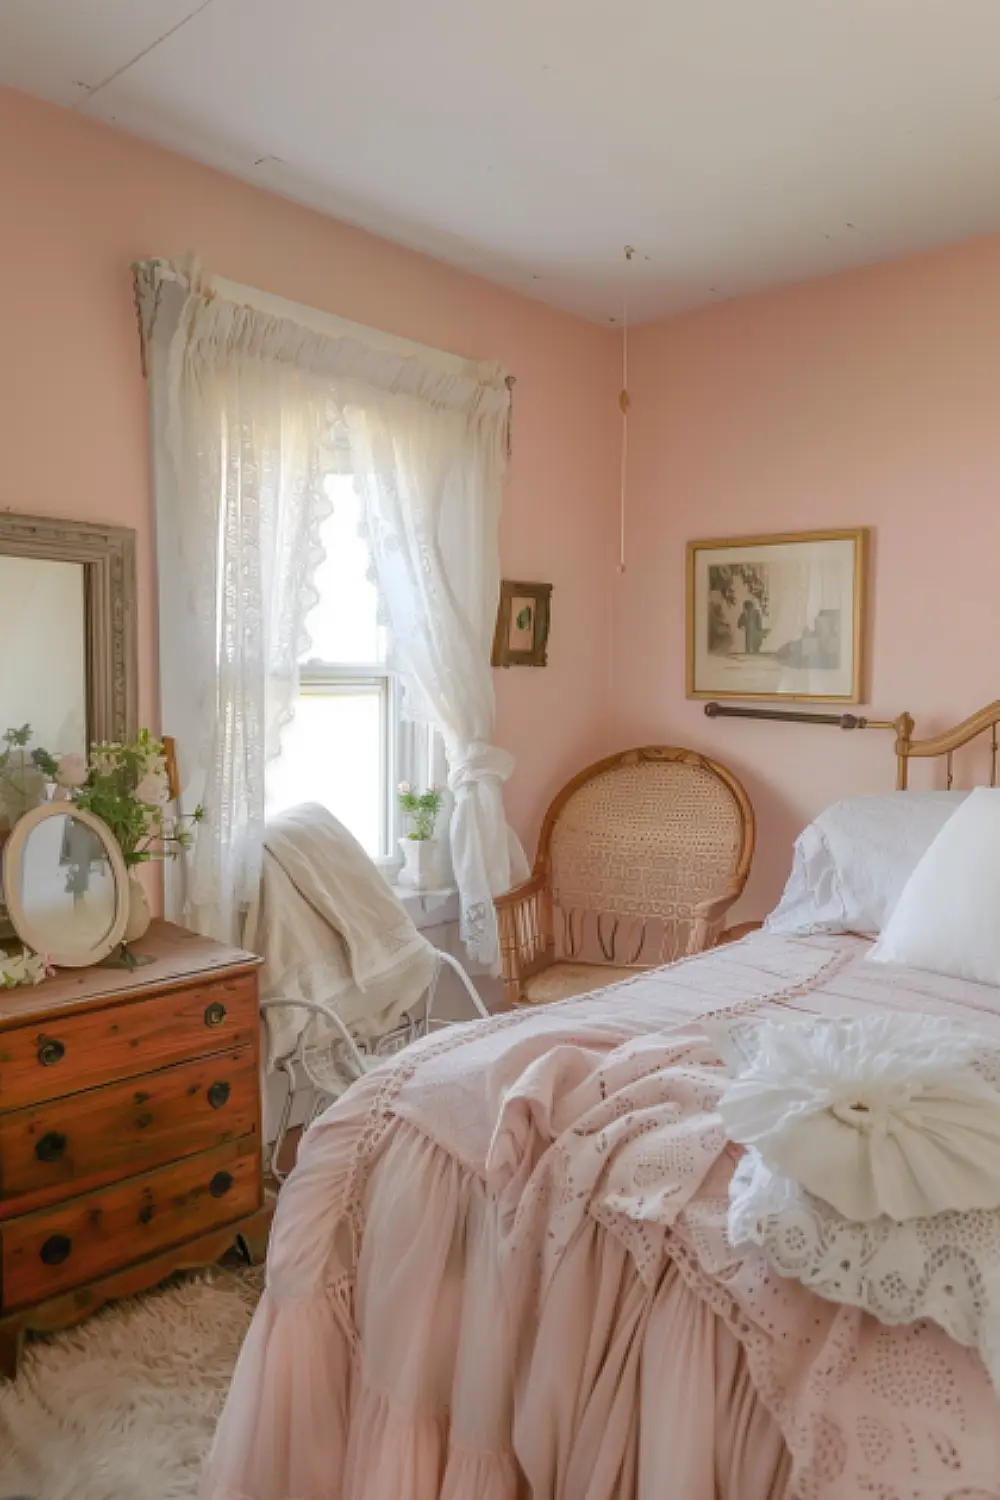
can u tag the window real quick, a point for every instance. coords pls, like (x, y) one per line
(347, 746)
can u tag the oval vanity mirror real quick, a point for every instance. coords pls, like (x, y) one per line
(65, 885)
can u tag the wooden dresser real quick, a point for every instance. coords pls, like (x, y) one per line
(130, 1129)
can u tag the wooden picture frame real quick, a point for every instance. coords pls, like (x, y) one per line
(173, 774)
(522, 629)
(107, 554)
(778, 618)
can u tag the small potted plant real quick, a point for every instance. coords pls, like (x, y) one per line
(420, 848)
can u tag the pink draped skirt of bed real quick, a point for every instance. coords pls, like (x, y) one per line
(624, 1393)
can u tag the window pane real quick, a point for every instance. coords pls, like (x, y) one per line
(344, 624)
(331, 753)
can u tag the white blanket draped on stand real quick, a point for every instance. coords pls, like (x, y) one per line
(331, 932)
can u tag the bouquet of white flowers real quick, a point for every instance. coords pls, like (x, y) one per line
(128, 788)
(22, 968)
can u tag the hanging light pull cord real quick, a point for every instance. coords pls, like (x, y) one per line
(623, 403)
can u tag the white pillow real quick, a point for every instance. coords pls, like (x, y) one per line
(851, 864)
(948, 917)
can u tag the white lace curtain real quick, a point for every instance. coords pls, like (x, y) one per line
(437, 560)
(244, 403)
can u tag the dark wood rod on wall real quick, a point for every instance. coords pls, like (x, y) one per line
(786, 716)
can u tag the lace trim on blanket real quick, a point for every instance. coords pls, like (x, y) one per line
(945, 1267)
(646, 1244)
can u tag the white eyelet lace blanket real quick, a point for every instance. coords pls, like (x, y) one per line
(945, 1268)
(886, 1112)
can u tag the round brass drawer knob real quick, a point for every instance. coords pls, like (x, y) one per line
(56, 1249)
(50, 1052)
(220, 1184)
(218, 1094)
(215, 1013)
(51, 1146)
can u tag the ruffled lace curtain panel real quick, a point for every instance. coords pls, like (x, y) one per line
(244, 403)
(430, 483)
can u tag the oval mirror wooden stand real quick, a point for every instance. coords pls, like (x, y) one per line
(59, 928)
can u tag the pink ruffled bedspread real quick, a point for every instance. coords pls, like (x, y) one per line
(500, 1270)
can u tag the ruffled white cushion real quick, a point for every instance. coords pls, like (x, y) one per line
(886, 1114)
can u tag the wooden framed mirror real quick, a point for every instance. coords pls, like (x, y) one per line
(68, 661)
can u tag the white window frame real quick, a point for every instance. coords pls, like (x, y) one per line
(409, 751)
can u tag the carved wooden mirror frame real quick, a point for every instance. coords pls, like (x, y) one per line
(107, 554)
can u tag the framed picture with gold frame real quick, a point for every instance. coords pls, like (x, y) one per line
(522, 631)
(778, 617)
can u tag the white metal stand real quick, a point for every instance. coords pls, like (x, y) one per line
(330, 1063)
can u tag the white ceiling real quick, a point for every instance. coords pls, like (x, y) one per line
(736, 143)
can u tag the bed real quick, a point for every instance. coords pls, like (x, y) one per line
(501, 1269)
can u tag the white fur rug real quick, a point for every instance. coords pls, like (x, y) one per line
(124, 1407)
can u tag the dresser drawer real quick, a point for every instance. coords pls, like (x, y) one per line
(80, 1142)
(46, 1253)
(85, 1049)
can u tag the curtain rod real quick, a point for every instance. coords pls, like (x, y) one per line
(148, 277)
(186, 272)
(842, 721)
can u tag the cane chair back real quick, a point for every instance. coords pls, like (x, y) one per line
(639, 859)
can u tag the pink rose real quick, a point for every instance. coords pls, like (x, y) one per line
(71, 770)
(153, 789)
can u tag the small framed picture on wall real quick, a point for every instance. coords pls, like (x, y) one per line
(772, 617)
(522, 631)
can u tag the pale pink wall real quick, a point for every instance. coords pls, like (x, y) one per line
(867, 399)
(79, 202)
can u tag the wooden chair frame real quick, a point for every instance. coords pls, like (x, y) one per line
(525, 915)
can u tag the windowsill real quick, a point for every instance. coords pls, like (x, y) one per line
(429, 908)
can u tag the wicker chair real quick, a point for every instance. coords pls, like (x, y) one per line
(639, 859)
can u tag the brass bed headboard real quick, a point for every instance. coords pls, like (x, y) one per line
(907, 748)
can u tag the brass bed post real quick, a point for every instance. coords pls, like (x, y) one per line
(943, 746)
(904, 737)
